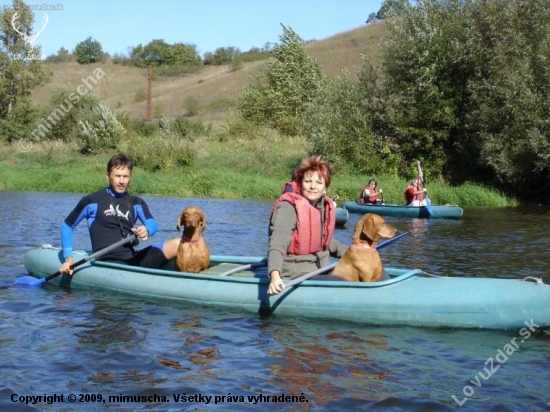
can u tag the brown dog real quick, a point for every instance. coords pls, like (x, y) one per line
(193, 255)
(361, 262)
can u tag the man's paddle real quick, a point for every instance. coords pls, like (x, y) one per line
(300, 279)
(32, 281)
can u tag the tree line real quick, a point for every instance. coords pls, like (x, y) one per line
(157, 53)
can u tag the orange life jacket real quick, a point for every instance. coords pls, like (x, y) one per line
(307, 236)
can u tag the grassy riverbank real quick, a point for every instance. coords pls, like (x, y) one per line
(237, 169)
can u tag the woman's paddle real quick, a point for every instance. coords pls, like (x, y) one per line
(429, 207)
(32, 281)
(320, 271)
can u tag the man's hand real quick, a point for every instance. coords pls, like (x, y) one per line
(66, 266)
(141, 232)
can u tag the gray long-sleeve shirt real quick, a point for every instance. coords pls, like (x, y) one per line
(283, 223)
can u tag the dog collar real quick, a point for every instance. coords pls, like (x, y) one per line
(362, 246)
(187, 240)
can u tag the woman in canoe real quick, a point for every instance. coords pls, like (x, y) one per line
(369, 192)
(291, 185)
(301, 226)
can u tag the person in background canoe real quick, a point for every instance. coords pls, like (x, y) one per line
(111, 214)
(291, 185)
(301, 226)
(369, 192)
(414, 194)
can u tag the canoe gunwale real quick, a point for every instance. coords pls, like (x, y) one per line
(397, 275)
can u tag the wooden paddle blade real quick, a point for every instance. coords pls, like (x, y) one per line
(29, 281)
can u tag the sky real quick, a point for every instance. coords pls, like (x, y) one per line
(207, 24)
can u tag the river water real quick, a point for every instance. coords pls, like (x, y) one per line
(98, 344)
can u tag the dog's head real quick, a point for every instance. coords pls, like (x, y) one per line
(192, 217)
(372, 227)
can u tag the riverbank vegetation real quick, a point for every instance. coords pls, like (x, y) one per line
(450, 86)
(248, 169)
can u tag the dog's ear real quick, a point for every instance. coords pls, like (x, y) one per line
(179, 222)
(370, 228)
(203, 221)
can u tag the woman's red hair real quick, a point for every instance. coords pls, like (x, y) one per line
(313, 163)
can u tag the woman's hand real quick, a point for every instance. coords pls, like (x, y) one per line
(276, 285)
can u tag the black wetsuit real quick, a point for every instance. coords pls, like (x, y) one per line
(110, 217)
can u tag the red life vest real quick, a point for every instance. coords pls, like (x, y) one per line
(306, 237)
(410, 197)
(371, 199)
(291, 186)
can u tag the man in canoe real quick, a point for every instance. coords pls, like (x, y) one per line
(111, 214)
(301, 226)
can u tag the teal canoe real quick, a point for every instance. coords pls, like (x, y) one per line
(397, 210)
(342, 216)
(408, 298)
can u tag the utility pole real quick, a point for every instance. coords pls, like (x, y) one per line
(148, 103)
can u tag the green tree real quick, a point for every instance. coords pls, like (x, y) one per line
(20, 72)
(63, 55)
(279, 94)
(223, 55)
(160, 53)
(88, 51)
(466, 86)
(392, 8)
(346, 124)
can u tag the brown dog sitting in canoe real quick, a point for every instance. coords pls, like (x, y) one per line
(193, 255)
(361, 262)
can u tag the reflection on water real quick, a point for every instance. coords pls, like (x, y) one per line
(58, 341)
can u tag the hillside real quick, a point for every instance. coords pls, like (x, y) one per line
(214, 88)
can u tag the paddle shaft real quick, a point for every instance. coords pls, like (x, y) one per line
(421, 181)
(244, 267)
(95, 255)
(320, 271)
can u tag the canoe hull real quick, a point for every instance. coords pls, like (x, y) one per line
(406, 299)
(396, 210)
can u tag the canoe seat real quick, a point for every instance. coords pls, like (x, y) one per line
(224, 267)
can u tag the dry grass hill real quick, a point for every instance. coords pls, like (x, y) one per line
(213, 88)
